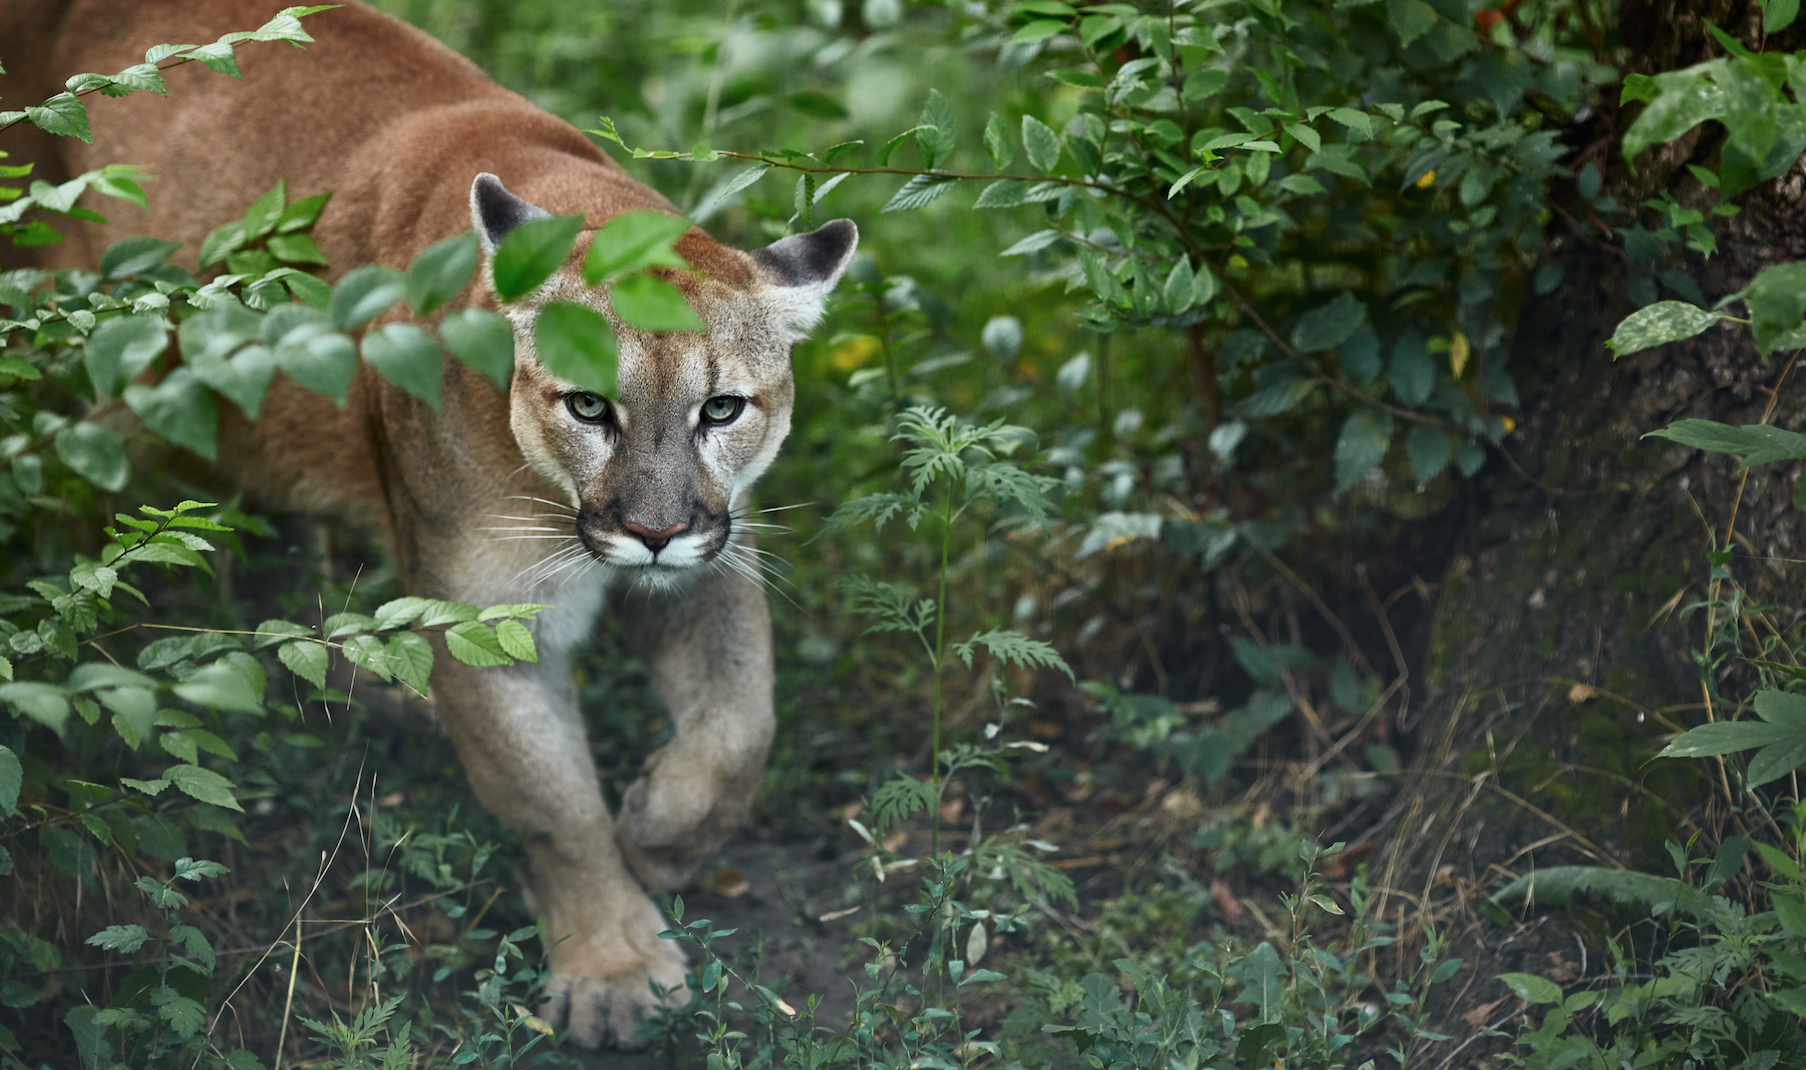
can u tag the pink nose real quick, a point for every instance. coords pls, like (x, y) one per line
(655, 540)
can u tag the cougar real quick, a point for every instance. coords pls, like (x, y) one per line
(646, 491)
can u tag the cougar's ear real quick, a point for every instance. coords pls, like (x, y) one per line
(801, 270)
(494, 211)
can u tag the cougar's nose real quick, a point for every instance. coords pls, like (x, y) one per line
(654, 540)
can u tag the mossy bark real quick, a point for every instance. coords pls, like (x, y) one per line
(1562, 651)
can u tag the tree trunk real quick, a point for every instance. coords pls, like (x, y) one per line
(1561, 654)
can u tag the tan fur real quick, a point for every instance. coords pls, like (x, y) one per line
(397, 127)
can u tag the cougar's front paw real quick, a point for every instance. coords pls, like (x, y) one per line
(609, 1008)
(670, 823)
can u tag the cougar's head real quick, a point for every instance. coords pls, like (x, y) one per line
(656, 473)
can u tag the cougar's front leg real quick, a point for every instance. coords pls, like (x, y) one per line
(709, 650)
(522, 741)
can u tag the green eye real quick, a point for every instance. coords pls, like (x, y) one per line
(722, 410)
(587, 407)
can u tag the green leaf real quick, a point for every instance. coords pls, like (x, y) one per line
(181, 409)
(305, 659)
(220, 686)
(1778, 15)
(516, 641)
(919, 192)
(408, 357)
(395, 614)
(320, 360)
(1329, 325)
(1791, 913)
(1041, 144)
(94, 454)
(302, 214)
(203, 784)
(1278, 397)
(1532, 989)
(1365, 438)
(121, 348)
(1265, 973)
(475, 644)
(1410, 19)
(1014, 648)
(364, 294)
(261, 217)
(1685, 99)
(483, 340)
(45, 703)
(62, 115)
(577, 345)
(531, 252)
(649, 303)
(368, 651)
(1208, 83)
(634, 240)
(124, 939)
(295, 249)
(1723, 737)
(997, 143)
(1755, 443)
(1662, 322)
(12, 775)
(441, 272)
(937, 130)
(221, 242)
(129, 256)
(1037, 30)
(411, 659)
(1413, 370)
(1430, 451)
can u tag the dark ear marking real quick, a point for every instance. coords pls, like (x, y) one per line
(494, 211)
(813, 260)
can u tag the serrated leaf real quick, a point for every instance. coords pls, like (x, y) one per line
(62, 115)
(1362, 445)
(1015, 648)
(440, 612)
(203, 784)
(516, 640)
(306, 660)
(1040, 143)
(475, 644)
(1329, 325)
(919, 192)
(369, 652)
(1430, 451)
(997, 143)
(124, 939)
(411, 659)
(12, 776)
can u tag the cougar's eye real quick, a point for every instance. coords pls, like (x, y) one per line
(722, 410)
(589, 408)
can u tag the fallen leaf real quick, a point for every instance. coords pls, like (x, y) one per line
(1482, 1014)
